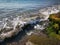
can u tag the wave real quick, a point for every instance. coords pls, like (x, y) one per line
(10, 26)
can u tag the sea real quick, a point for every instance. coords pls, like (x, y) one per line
(10, 10)
(11, 7)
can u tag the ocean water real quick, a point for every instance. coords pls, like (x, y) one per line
(8, 6)
(9, 9)
(26, 3)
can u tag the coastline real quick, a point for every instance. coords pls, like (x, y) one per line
(17, 38)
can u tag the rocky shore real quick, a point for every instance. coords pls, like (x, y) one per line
(20, 23)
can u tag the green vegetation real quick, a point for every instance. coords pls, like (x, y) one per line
(54, 26)
(55, 17)
(52, 31)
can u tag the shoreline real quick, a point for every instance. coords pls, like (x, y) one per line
(9, 40)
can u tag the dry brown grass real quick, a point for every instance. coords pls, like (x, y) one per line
(43, 40)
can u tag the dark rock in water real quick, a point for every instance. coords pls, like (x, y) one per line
(21, 22)
(28, 26)
(9, 32)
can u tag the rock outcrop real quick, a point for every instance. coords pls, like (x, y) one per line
(9, 28)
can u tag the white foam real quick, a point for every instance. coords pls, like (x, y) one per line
(39, 27)
(29, 33)
(47, 11)
(7, 23)
(17, 21)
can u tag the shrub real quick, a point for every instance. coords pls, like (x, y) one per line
(54, 35)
